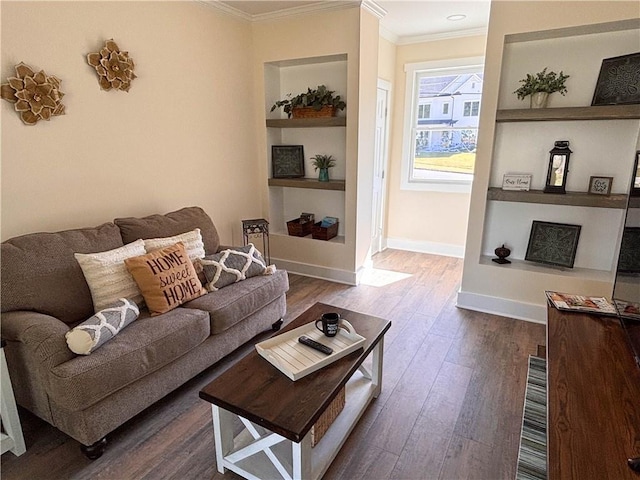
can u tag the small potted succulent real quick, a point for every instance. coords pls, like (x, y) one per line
(323, 163)
(319, 102)
(540, 86)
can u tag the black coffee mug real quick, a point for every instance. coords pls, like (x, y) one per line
(330, 324)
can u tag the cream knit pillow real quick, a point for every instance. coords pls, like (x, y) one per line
(108, 277)
(192, 242)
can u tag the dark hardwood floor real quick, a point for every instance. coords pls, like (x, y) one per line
(450, 408)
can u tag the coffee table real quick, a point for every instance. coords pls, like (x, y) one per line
(262, 419)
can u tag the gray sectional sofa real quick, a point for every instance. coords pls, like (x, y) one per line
(44, 294)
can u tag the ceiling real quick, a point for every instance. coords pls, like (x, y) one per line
(403, 21)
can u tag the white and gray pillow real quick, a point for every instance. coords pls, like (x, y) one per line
(101, 327)
(233, 265)
(192, 242)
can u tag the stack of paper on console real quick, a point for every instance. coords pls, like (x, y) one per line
(296, 360)
(581, 303)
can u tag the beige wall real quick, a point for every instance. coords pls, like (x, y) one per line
(387, 60)
(484, 283)
(181, 136)
(429, 221)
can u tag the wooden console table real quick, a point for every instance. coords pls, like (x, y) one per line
(593, 395)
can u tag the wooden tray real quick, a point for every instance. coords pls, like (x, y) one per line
(296, 360)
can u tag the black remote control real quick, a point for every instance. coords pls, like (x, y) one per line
(315, 345)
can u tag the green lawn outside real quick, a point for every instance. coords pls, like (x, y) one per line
(446, 162)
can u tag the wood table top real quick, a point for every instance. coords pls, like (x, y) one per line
(259, 392)
(593, 409)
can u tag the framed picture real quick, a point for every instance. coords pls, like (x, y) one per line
(629, 258)
(516, 181)
(619, 81)
(600, 185)
(553, 243)
(635, 177)
(287, 161)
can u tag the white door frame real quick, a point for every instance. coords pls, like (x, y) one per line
(381, 161)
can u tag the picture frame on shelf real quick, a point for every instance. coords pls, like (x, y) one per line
(635, 177)
(617, 81)
(600, 185)
(553, 243)
(287, 161)
(516, 182)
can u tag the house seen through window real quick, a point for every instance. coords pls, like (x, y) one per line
(444, 124)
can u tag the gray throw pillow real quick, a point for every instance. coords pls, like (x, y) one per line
(233, 265)
(101, 327)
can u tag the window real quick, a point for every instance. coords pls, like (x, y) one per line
(424, 111)
(441, 124)
(471, 109)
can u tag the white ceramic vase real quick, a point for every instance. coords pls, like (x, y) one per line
(539, 99)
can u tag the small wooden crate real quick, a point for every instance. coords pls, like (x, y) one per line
(310, 112)
(297, 229)
(328, 417)
(324, 233)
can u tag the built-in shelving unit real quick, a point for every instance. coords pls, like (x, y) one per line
(603, 140)
(307, 183)
(578, 199)
(289, 197)
(605, 112)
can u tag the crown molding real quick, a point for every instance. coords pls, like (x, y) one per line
(440, 36)
(287, 12)
(374, 8)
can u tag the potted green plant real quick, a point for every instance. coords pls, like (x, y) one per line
(319, 102)
(323, 163)
(540, 86)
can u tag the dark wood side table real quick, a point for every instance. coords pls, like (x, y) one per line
(276, 414)
(593, 398)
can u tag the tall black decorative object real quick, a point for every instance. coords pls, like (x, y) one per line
(558, 167)
(257, 226)
(502, 253)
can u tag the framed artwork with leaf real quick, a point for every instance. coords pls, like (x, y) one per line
(287, 161)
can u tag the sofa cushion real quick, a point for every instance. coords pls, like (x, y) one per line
(231, 266)
(192, 242)
(174, 223)
(107, 275)
(234, 303)
(39, 272)
(101, 327)
(145, 346)
(166, 278)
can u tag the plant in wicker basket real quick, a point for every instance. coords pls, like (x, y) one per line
(114, 68)
(36, 96)
(313, 100)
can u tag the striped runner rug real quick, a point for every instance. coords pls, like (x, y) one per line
(532, 456)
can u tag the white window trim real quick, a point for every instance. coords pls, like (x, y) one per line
(458, 65)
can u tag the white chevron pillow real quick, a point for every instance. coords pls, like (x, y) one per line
(101, 327)
(233, 265)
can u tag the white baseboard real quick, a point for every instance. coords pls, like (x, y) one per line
(503, 307)
(445, 249)
(317, 271)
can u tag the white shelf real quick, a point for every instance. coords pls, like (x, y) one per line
(337, 239)
(576, 272)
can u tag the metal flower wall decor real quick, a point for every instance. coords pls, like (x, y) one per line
(36, 96)
(114, 68)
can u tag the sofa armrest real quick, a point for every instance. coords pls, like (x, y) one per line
(42, 335)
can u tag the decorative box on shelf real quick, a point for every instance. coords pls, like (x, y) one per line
(320, 232)
(310, 112)
(302, 226)
(328, 417)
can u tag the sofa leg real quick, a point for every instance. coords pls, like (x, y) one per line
(277, 325)
(95, 450)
